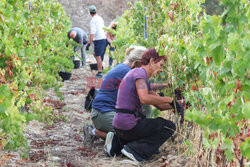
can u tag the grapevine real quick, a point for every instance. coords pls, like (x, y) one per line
(207, 59)
(29, 63)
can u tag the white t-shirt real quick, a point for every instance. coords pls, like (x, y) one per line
(96, 27)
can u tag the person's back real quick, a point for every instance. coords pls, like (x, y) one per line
(81, 36)
(96, 27)
(127, 121)
(107, 95)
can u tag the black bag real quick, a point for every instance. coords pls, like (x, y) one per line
(76, 63)
(89, 98)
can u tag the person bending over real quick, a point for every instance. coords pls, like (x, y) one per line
(79, 36)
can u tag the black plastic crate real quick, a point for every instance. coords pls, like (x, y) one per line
(64, 75)
(93, 66)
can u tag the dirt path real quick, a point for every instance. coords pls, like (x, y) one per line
(61, 144)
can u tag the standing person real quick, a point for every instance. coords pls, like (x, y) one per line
(136, 137)
(103, 106)
(79, 36)
(97, 35)
(110, 37)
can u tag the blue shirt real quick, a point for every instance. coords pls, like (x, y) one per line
(105, 100)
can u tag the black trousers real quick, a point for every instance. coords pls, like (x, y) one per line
(146, 137)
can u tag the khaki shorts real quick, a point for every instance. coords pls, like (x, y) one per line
(103, 121)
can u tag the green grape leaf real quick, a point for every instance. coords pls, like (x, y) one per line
(206, 143)
(245, 148)
(227, 144)
(246, 110)
(215, 143)
(229, 155)
(218, 54)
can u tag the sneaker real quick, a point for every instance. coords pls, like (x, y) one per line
(108, 144)
(99, 75)
(88, 135)
(131, 154)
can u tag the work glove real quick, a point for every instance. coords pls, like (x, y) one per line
(87, 47)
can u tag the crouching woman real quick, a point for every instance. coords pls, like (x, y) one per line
(138, 137)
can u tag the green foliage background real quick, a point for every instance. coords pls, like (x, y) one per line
(204, 51)
(32, 51)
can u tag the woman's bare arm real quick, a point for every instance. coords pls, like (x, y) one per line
(157, 86)
(147, 98)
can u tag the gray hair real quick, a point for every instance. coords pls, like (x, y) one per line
(134, 53)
